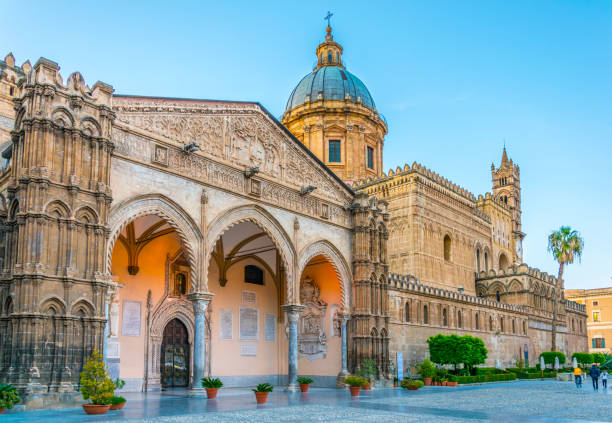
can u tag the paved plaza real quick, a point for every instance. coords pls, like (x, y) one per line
(529, 401)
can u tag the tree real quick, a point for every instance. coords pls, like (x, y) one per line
(565, 246)
(454, 349)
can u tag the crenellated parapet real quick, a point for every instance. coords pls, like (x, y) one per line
(516, 271)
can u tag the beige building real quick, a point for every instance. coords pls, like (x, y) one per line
(187, 237)
(598, 304)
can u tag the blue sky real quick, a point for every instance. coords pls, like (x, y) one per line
(453, 78)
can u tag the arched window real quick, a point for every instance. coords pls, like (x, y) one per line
(478, 259)
(491, 323)
(503, 261)
(501, 324)
(524, 328)
(459, 322)
(447, 248)
(477, 323)
(444, 318)
(425, 315)
(407, 312)
(486, 261)
(513, 326)
(573, 325)
(321, 58)
(338, 57)
(329, 57)
(580, 326)
(498, 296)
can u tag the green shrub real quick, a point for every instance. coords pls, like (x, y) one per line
(454, 349)
(406, 383)
(264, 387)
(8, 396)
(549, 357)
(96, 386)
(481, 371)
(583, 358)
(599, 358)
(368, 368)
(486, 378)
(209, 382)
(119, 383)
(117, 400)
(426, 369)
(354, 381)
(304, 380)
(452, 378)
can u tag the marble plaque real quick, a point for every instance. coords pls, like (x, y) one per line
(131, 318)
(249, 323)
(269, 327)
(249, 297)
(226, 324)
(248, 349)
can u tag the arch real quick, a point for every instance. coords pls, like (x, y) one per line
(172, 308)
(447, 248)
(407, 311)
(8, 305)
(86, 214)
(13, 209)
(459, 319)
(82, 308)
(425, 315)
(19, 118)
(327, 249)
(91, 126)
(477, 321)
(491, 323)
(266, 222)
(503, 261)
(159, 205)
(444, 317)
(56, 305)
(62, 117)
(57, 208)
(515, 286)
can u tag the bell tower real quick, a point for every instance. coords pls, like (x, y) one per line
(507, 189)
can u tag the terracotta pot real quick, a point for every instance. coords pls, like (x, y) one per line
(395, 384)
(261, 397)
(367, 387)
(355, 390)
(437, 383)
(304, 387)
(1, 410)
(444, 382)
(117, 406)
(96, 408)
(412, 388)
(427, 381)
(452, 383)
(211, 393)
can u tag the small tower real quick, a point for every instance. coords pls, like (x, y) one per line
(507, 189)
(329, 52)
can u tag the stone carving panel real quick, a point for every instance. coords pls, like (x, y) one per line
(312, 342)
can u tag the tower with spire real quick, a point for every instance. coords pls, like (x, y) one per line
(507, 189)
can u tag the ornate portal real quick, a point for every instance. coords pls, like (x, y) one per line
(312, 342)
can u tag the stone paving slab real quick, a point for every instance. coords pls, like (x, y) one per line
(526, 402)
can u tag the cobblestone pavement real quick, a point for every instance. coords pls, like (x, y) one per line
(528, 401)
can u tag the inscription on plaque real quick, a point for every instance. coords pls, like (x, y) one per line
(248, 350)
(269, 327)
(249, 323)
(131, 318)
(226, 324)
(249, 297)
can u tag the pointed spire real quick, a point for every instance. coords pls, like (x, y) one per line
(504, 160)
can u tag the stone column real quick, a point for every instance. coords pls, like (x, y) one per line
(344, 371)
(293, 313)
(199, 301)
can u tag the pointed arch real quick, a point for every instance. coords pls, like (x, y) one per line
(266, 222)
(338, 262)
(57, 208)
(159, 205)
(53, 306)
(82, 308)
(86, 214)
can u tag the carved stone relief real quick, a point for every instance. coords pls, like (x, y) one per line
(312, 342)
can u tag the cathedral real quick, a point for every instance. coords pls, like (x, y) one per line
(185, 238)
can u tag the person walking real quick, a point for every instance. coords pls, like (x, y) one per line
(604, 379)
(578, 377)
(594, 373)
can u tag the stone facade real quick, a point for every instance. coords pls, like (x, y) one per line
(598, 303)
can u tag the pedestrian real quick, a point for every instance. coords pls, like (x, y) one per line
(578, 377)
(604, 379)
(594, 373)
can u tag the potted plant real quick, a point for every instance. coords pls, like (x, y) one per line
(355, 383)
(8, 397)
(212, 386)
(443, 381)
(395, 382)
(304, 383)
(116, 402)
(368, 370)
(427, 371)
(261, 392)
(96, 386)
(452, 380)
(412, 385)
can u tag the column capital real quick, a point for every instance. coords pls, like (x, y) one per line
(293, 311)
(199, 301)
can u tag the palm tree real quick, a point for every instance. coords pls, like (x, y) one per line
(565, 246)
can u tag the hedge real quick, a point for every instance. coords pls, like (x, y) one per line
(549, 357)
(486, 378)
(532, 375)
(583, 358)
(482, 371)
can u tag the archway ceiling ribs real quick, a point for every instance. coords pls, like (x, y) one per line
(159, 205)
(268, 224)
(135, 244)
